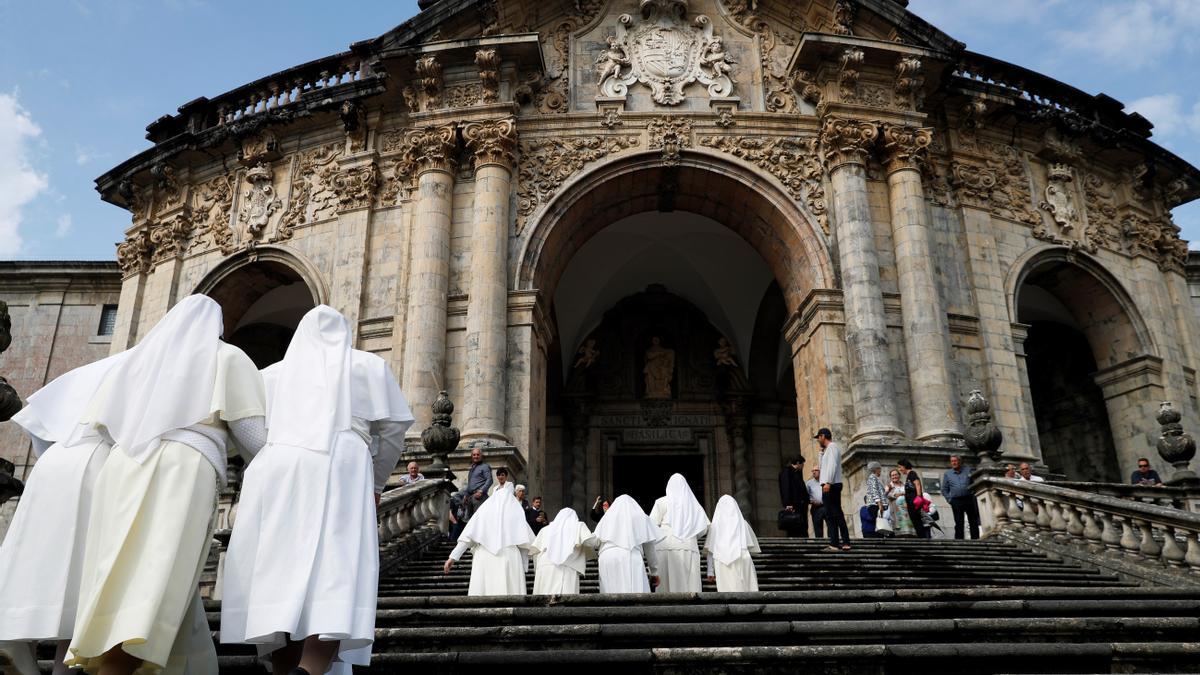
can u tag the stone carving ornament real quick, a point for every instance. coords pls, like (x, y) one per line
(547, 164)
(1059, 202)
(261, 201)
(492, 142)
(664, 52)
(671, 135)
(793, 160)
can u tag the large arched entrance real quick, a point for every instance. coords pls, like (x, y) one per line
(263, 296)
(698, 266)
(1081, 337)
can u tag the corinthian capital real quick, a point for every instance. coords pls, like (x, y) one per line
(847, 141)
(905, 147)
(492, 142)
(432, 148)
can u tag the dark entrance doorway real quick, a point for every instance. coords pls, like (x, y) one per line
(644, 477)
(262, 303)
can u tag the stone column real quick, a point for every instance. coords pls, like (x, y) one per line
(493, 144)
(925, 327)
(846, 145)
(433, 152)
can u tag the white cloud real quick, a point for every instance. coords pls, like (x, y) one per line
(20, 183)
(84, 155)
(63, 226)
(1132, 34)
(1171, 118)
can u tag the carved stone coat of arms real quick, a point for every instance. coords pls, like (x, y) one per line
(665, 52)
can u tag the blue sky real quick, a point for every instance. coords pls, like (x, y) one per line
(81, 79)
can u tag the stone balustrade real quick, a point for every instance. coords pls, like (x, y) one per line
(287, 87)
(1148, 542)
(412, 517)
(1184, 498)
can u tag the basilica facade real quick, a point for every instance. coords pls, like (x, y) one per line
(637, 237)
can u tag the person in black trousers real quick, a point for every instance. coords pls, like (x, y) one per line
(912, 490)
(793, 495)
(831, 487)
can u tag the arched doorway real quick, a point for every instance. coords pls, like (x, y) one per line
(263, 297)
(712, 259)
(1079, 325)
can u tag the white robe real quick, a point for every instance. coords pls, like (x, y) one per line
(499, 539)
(303, 557)
(739, 576)
(623, 570)
(42, 555)
(729, 543)
(552, 579)
(678, 559)
(501, 574)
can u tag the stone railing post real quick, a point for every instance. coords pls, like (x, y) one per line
(925, 326)
(434, 155)
(846, 144)
(493, 146)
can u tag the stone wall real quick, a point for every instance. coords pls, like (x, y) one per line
(55, 309)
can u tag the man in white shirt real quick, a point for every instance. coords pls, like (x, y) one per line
(831, 486)
(816, 503)
(1027, 474)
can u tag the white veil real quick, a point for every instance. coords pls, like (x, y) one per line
(626, 525)
(52, 413)
(561, 536)
(309, 397)
(729, 534)
(499, 523)
(686, 515)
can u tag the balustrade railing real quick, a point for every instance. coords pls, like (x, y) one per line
(1157, 539)
(1184, 498)
(423, 505)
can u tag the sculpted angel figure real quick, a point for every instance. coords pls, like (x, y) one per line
(611, 60)
(587, 354)
(724, 353)
(715, 59)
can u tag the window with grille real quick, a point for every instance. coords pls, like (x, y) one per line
(108, 320)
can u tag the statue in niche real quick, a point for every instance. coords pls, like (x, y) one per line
(659, 369)
(611, 61)
(727, 363)
(587, 354)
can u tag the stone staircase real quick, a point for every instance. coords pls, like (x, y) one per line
(887, 606)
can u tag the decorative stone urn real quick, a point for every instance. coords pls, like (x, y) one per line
(440, 439)
(982, 437)
(10, 402)
(1175, 446)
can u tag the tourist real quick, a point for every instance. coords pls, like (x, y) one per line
(170, 407)
(536, 516)
(1144, 475)
(627, 540)
(479, 482)
(455, 517)
(500, 541)
(831, 488)
(501, 479)
(599, 508)
(900, 517)
(303, 559)
(876, 498)
(1010, 472)
(793, 495)
(681, 517)
(1026, 473)
(39, 574)
(956, 488)
(816, 503)
(561, 552)
(913, 491)
(519, 493)
(729, 545)
(412, 476)
(913, 496)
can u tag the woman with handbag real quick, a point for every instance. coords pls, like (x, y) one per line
(875, 498)
(901, 523)
(913, 499)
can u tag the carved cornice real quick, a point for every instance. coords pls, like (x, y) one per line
(906, 147)
(432, 148)
(493, 142)
(847, 141)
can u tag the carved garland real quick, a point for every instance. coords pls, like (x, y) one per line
(794, 161)
(547, 164)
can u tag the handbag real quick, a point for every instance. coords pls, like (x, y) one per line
(884, 522)
(790, 520)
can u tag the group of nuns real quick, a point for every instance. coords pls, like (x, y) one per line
(106, 547)
(634, 548)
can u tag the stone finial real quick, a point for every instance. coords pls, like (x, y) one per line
(10, 402)
(1175, 446)
(440, 438)
(982, 437)
(9, 485)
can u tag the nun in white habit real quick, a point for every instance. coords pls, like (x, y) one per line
(303, 560)
(626, 535)
(684, 521)
(729, 543)
(173, 407)
(39, 574)
(561, 552)
(500, 541)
